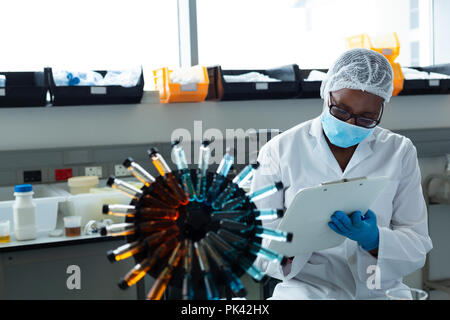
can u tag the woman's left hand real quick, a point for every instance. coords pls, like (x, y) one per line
(362, 229)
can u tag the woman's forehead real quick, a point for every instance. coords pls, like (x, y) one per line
(357, 99)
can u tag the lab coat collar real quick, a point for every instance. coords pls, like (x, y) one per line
(363, 150)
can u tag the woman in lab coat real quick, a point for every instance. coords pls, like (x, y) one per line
(345, 141)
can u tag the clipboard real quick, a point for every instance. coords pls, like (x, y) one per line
(309, 213)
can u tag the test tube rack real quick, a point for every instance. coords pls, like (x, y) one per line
(194, 222)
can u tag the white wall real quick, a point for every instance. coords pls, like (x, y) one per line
(53, 127)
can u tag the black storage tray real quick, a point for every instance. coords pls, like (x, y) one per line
(24, 89)
(431, 86)
(215, 88)
(92, 95)
(310, 89)
(288, 87)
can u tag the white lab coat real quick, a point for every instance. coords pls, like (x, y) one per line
(300, 157)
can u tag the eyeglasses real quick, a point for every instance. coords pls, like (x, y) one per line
(344, 115)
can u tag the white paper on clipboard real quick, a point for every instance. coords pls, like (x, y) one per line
(310, 211)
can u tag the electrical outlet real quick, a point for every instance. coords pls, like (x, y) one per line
(63, 174)
(32, 176)
(121, 171)
(93, 171)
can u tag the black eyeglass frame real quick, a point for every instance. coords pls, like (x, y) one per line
(356, 117)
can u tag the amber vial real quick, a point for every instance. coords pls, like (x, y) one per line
(72, 225)
(73, 232)
(4, 232)
(5, 239)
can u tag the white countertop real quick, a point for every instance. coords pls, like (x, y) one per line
(44, 240)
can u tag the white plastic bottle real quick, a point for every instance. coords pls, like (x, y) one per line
(24, 213)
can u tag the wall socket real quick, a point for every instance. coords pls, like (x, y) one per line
(32, 176)
(93, 171)
(121, 171)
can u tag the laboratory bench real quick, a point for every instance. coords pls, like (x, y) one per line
(40, 269)
(43, 240)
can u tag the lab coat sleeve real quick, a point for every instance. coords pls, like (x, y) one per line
(269, 173)
(403, 246)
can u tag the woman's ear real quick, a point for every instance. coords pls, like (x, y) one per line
(325, 103)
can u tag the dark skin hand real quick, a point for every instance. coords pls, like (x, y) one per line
(359, 103)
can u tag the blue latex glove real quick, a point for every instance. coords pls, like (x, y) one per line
(362, 229)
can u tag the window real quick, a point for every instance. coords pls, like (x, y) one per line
(83, 34)
(415, 53)
(109, 34)
(311, 33)
(414, 14)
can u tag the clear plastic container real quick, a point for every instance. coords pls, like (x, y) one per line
(386, 44)
(389, 46)
(5, 234)
(82, 184)
(72, 226)
(46, 200)
(178, 92)
(89, 205)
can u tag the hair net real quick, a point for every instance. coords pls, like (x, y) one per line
(360, 69)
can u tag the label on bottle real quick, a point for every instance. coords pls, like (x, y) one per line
(386, 51)
(261, 86)
(2, 92)
(25, 232)
(24, 215)
(188, 87)
(98, 90)
(434, 82)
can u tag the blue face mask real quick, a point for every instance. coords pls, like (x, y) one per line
(341, 133)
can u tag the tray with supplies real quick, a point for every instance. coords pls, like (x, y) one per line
(23, 89)
(72, 95)
(435, 80)
(310, 88)
(276, 83)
